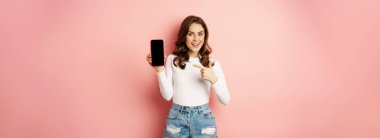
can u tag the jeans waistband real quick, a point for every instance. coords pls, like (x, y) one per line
(190, 108)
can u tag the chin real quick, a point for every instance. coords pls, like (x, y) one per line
(196, 49)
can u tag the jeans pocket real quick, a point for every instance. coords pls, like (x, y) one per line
(207, 114)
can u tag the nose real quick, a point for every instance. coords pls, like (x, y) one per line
(195, 38)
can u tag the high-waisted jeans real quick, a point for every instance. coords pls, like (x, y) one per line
(190, 121)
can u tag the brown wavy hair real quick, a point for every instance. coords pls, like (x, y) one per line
(181, 50)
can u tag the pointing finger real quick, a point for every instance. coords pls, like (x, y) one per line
(199, 66)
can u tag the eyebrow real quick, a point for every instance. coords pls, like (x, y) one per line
(193, 32)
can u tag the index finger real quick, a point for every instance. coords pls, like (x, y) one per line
(199, 66)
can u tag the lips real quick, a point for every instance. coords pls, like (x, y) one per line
(195, 45)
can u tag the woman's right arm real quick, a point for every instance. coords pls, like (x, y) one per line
(164, 75)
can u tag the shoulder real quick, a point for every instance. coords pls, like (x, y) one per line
(171, 56)
(213, 61)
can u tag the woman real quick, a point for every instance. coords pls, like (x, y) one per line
(187, 77)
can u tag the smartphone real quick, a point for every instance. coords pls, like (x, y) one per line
(157, 52)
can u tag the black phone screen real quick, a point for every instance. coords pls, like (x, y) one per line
(157, 52)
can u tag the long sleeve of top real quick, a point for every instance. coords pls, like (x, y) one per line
(187, 87)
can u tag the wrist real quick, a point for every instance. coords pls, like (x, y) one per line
(214, 81)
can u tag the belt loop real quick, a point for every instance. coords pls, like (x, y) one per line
(182, 109)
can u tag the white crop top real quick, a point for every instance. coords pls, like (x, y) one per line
(187, 87)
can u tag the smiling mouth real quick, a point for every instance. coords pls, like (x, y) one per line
(195, 45)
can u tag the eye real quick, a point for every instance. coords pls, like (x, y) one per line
(200, 34)
(190, 34)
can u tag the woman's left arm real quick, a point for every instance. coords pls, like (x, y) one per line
(220, 86)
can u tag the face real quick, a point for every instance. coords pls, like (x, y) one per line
(195, 38)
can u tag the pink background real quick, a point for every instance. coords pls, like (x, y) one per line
(295, 69)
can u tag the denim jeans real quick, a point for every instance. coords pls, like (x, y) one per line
(190, 121)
